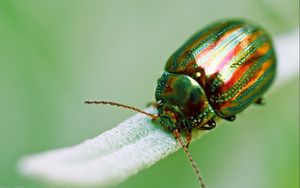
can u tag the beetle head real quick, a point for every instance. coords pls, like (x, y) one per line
(179, 97)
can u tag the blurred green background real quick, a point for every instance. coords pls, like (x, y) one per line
(56, 54)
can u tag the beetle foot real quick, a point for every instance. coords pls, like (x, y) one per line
(210, 125)
(152, 104)
(260, 101)
(231, 118)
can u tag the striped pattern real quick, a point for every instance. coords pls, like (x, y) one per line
(234, 62)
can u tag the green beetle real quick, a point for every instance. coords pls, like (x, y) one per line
(219, 72)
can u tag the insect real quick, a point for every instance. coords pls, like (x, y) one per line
(217, 73)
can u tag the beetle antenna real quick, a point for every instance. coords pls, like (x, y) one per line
(153, 116)
(193, 163)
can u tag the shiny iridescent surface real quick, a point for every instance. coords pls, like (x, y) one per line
(219, 71)
(233, 61)
(181, 99)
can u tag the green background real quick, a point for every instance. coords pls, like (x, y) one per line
(56, 54)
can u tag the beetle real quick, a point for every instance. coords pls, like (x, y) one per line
(219, 72)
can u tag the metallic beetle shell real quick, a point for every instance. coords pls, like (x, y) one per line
(233, 61)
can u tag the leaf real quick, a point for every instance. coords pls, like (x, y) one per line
(135, 144)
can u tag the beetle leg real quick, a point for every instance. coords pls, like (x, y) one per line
(210, 125)
(231, 118)
(152, 104)
(188, 137)
(260, 101)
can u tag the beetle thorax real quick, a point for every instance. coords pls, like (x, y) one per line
(182, 101)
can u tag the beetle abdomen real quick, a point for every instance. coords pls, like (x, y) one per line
(234, 62)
